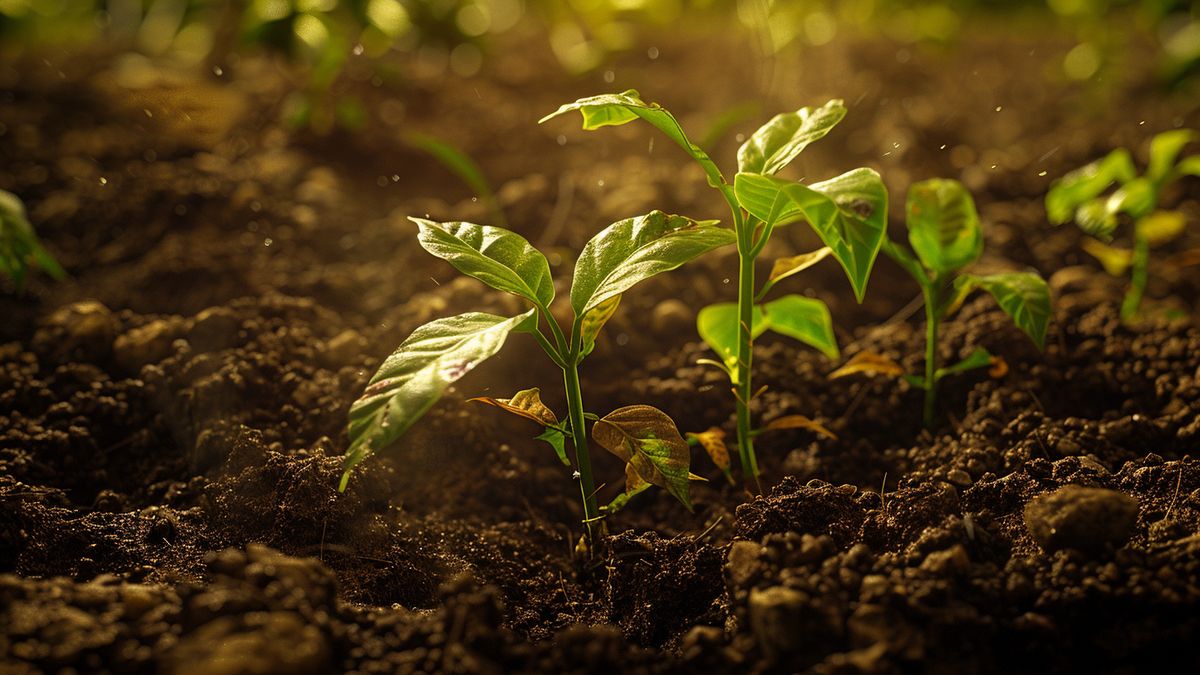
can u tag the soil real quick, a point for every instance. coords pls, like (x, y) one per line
(172, 417)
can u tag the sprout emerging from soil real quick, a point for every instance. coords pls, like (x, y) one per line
(945, 235)
(1080, 196)
(848, 213)
(19, 246)
(625, 253)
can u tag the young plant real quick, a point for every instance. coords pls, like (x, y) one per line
(847, 212)
(416, 375)
(19, 246)
(1081, 196)
(945, 236)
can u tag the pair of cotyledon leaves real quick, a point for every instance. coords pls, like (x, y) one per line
(438, 353)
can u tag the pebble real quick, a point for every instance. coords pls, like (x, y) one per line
(1085, 519)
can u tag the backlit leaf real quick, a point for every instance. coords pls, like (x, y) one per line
(713, 442)
(557, 440)
(848, 213)
(1095, 218)
(19, 244)
(526, 403)
(594, 320)
(786, 267)
(718, 327)
(1116, 261)
(799, 422)
(501, 259)
(616, 109)
(943, 226)
(645, 438)
(1161, 227)
(803, 319)
(779, 141)
(635, 249)
(1024, 296)
(416, 375)
(868, 363)
(1164, 148)
(1086, 183)
(1189, 166)
(1136, 198)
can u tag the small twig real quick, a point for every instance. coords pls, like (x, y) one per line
(1178, 483)
(882, 495)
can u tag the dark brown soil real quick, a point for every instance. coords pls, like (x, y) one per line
(172, 418)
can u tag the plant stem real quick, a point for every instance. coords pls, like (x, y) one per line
(1137, 280)
(583, 460)
(930, 292)
(745, 358)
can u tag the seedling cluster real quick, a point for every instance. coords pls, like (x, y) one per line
(847, 212)
(1083, 196)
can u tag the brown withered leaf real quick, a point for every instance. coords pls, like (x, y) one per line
(869, 363)
(713, 442)
(526, 403)
(786, 267)
(999, 367)
(798, 422)
(646, 438)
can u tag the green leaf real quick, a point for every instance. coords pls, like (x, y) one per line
(501, 259)
(1024, 296)
(803, 319)
(1095, 218)
(593, 321)
(980, 358)
(635, 249)
(460, 164)
(786, 267)
(1161, 227)
(558, 441)
(646, 439)
(943, 226)
(1086, 183)
(779, 141)
(1116, 261)
(1137, 198)
(718, 327)
(1164, 148)
(1189, 166)
(848, 213)
(414, 377)
(616, 109)
(19, 243)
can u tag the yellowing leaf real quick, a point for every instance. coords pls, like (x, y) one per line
(798, 422)
(786, 267)
(526, 403)
(713, 442)
(869, 363)
(594, 320)
(1161, 227)
(646, 438)
(1116, 261)
(999, 367)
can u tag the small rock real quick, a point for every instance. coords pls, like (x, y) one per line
(343, 349)
(777, 618)
(959, 477)
(743, 562)
(148, 344)
(951, 561)
(672, 316)
(257, 643)
(80, 330)
(1086, 519)
(214, 329)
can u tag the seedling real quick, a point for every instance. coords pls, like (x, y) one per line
(945, 235)
(19, 246)
(417, 374)
(1081, 196)
(847, 212)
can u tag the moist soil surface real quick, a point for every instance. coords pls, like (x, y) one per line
(172, 417)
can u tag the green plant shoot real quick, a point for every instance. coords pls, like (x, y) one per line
(625, 253)
(19, 246)
(847, 212)
(1082, 196)
(945, 235)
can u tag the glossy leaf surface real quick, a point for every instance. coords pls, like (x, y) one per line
(501, 259)
(647, 440)
(416, 375)
(943, 226)
(780, 140)
(1024, 296)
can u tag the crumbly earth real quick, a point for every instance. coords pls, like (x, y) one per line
(172, 418)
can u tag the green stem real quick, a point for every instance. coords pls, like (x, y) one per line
(745, 357)
(931, 336)
(583, 461)
(1137, 281)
